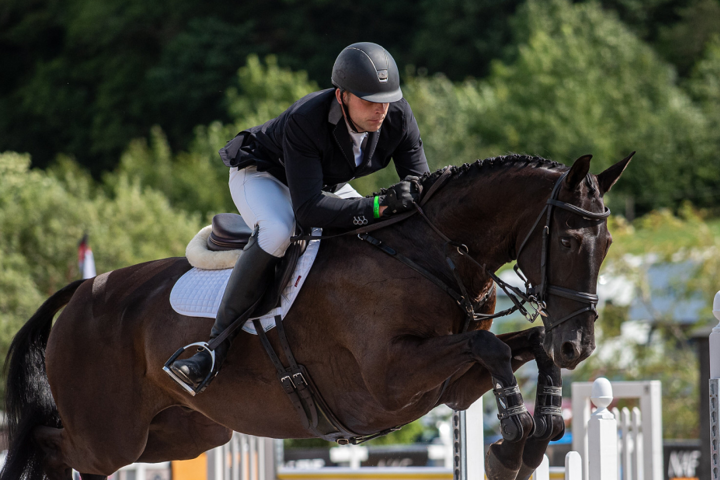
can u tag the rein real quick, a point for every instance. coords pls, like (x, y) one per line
(306, 398)
(444, 177)
(533, 296)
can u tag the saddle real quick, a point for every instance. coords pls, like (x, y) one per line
(231, 232)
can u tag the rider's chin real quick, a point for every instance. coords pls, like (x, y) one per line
(374, 125)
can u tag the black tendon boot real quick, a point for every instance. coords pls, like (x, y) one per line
(248, 281)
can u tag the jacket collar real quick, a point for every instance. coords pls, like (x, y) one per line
(335, 113)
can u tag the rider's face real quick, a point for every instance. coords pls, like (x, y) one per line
(367, 116)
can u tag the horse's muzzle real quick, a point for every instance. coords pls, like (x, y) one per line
(568, 349)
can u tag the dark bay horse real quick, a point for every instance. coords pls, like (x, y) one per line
(378, 338)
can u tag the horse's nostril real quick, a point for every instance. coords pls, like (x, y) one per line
(568, 351)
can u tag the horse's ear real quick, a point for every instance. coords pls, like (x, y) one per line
(578, 172)
(608, 178)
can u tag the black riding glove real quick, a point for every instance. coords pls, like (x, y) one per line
(401, 196)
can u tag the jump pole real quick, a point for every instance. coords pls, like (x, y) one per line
(714, 342)
(468, 443)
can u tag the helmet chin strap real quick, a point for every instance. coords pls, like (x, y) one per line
(346, 112)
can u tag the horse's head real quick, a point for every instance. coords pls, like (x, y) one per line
(561, 256)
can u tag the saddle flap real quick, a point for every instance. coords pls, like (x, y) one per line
(283, 275)
(229, 232)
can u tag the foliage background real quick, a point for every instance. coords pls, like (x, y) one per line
(111, 115)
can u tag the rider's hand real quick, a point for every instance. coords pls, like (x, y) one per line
(401, 196)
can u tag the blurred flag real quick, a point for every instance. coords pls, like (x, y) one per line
(86, 262)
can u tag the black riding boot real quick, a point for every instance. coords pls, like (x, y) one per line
(248, 281)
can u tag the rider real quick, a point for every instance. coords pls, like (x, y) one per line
(290, 166)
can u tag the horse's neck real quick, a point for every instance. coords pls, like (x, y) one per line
(488, 214)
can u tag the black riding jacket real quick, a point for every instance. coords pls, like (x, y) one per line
(309, 149)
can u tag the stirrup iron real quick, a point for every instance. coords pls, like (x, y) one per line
(192, 391)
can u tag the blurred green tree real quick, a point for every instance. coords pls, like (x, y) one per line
(581, 82)
(683, 42)
(43, 215)
(196, 180)
(704, 85)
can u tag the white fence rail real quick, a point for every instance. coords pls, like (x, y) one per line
(631, 443)
(244, 457)
(641, 433)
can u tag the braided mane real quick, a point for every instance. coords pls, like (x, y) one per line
(503, 161)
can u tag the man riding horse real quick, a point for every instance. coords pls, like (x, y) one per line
(297, 166)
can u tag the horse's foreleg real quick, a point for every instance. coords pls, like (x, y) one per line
(512, 461)
(504, 459)
(423, 365)
(466, 388)
(549, 422)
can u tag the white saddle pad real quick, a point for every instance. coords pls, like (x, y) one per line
(198, 293)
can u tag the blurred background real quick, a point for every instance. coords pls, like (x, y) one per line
(112, 112)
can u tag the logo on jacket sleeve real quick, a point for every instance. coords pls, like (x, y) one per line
(361, 220)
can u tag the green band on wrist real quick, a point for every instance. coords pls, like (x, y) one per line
(376, 207)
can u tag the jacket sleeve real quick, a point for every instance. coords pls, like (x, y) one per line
(409, 156)
(305, 180)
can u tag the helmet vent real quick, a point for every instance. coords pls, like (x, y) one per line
(382, 75)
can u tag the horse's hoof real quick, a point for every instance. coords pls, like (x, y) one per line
(495, 470)
(525, 472)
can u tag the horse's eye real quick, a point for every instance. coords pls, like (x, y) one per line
(565, 242)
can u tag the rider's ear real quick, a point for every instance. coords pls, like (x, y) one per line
(608, 178)
(578, 172)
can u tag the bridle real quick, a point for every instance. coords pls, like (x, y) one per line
(536, 296)
(533, 296)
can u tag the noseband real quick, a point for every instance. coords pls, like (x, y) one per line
(536, 296)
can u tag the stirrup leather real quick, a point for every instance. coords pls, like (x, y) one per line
(188, 388)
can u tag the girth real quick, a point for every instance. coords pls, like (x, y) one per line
(305, 397)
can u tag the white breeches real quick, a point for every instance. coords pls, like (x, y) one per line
(263, 200)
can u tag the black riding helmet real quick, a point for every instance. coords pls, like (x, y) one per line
(367, 71)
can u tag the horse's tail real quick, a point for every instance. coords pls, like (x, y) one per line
(28, 401)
